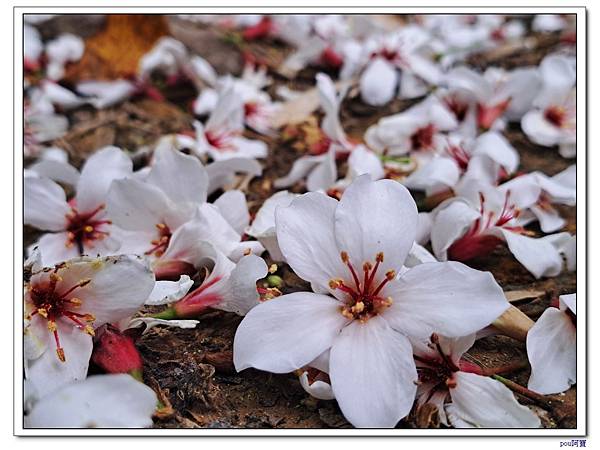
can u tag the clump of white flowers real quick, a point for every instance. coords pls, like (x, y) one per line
(386, 225)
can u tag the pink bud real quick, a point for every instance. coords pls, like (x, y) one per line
(116, 352)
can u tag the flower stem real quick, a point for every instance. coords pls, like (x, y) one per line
(505, 369)
(522, 390)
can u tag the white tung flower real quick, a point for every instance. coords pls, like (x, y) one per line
(63, 306)
(476, 401)
(552, 121)
(354, 251)
(81, 225)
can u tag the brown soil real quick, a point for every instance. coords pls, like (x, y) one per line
(192, 370)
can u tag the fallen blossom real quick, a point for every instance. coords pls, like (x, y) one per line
(365, 320)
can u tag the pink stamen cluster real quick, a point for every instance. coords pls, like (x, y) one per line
(364, 300)
(477, 242)
(459, 155)
(221, 141)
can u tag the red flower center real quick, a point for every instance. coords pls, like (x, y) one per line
(52, 305)
(438, 369)
(476, 242)
(220, 141)
(460, 155)
(556, 116)
(422, 139)
(458, 107)
(364, 300)
(85, 228)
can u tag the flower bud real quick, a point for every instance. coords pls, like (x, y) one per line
(116, 352)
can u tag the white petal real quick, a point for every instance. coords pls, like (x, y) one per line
(537, 255)
(567, 177)
(447, 298)
(106, 93)
(221, 173)
(239, 294)
(313, 256)
(56, 171)
(288, 332)
(373, 217)
(178, 175)
(188, 243)
(568, 301)
(373, 374)
(102, 401)
(45, 204)
(549, 218)
(233, 207)
(425, 222)
(497, 148)
(362, 161)
(99, 171)
(263, 226)
(451, 221)
(318, 389)
(300, 169)
(539, 130)
(330, 102)
(378, 82)
(487, 403)
(151, 322)
(48, 373)
(552, 353)
(137, 206)
(418, 255)
(323, 176)
(53, 247)
(119, 286)
(169, 291)
(434, 177)
(524, 191)
(265, 217)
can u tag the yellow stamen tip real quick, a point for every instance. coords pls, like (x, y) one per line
(379, 257)
(358, 308)
(89, 330)
(61, 354)
(334, 284)
(84, 282)
(88, 228)
(42, 312)
(273, 268)
(367, 266)
(55, 277)
(390, 274)
(51, 326)
(247, 252)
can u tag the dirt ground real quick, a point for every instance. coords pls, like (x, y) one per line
(192, 370)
